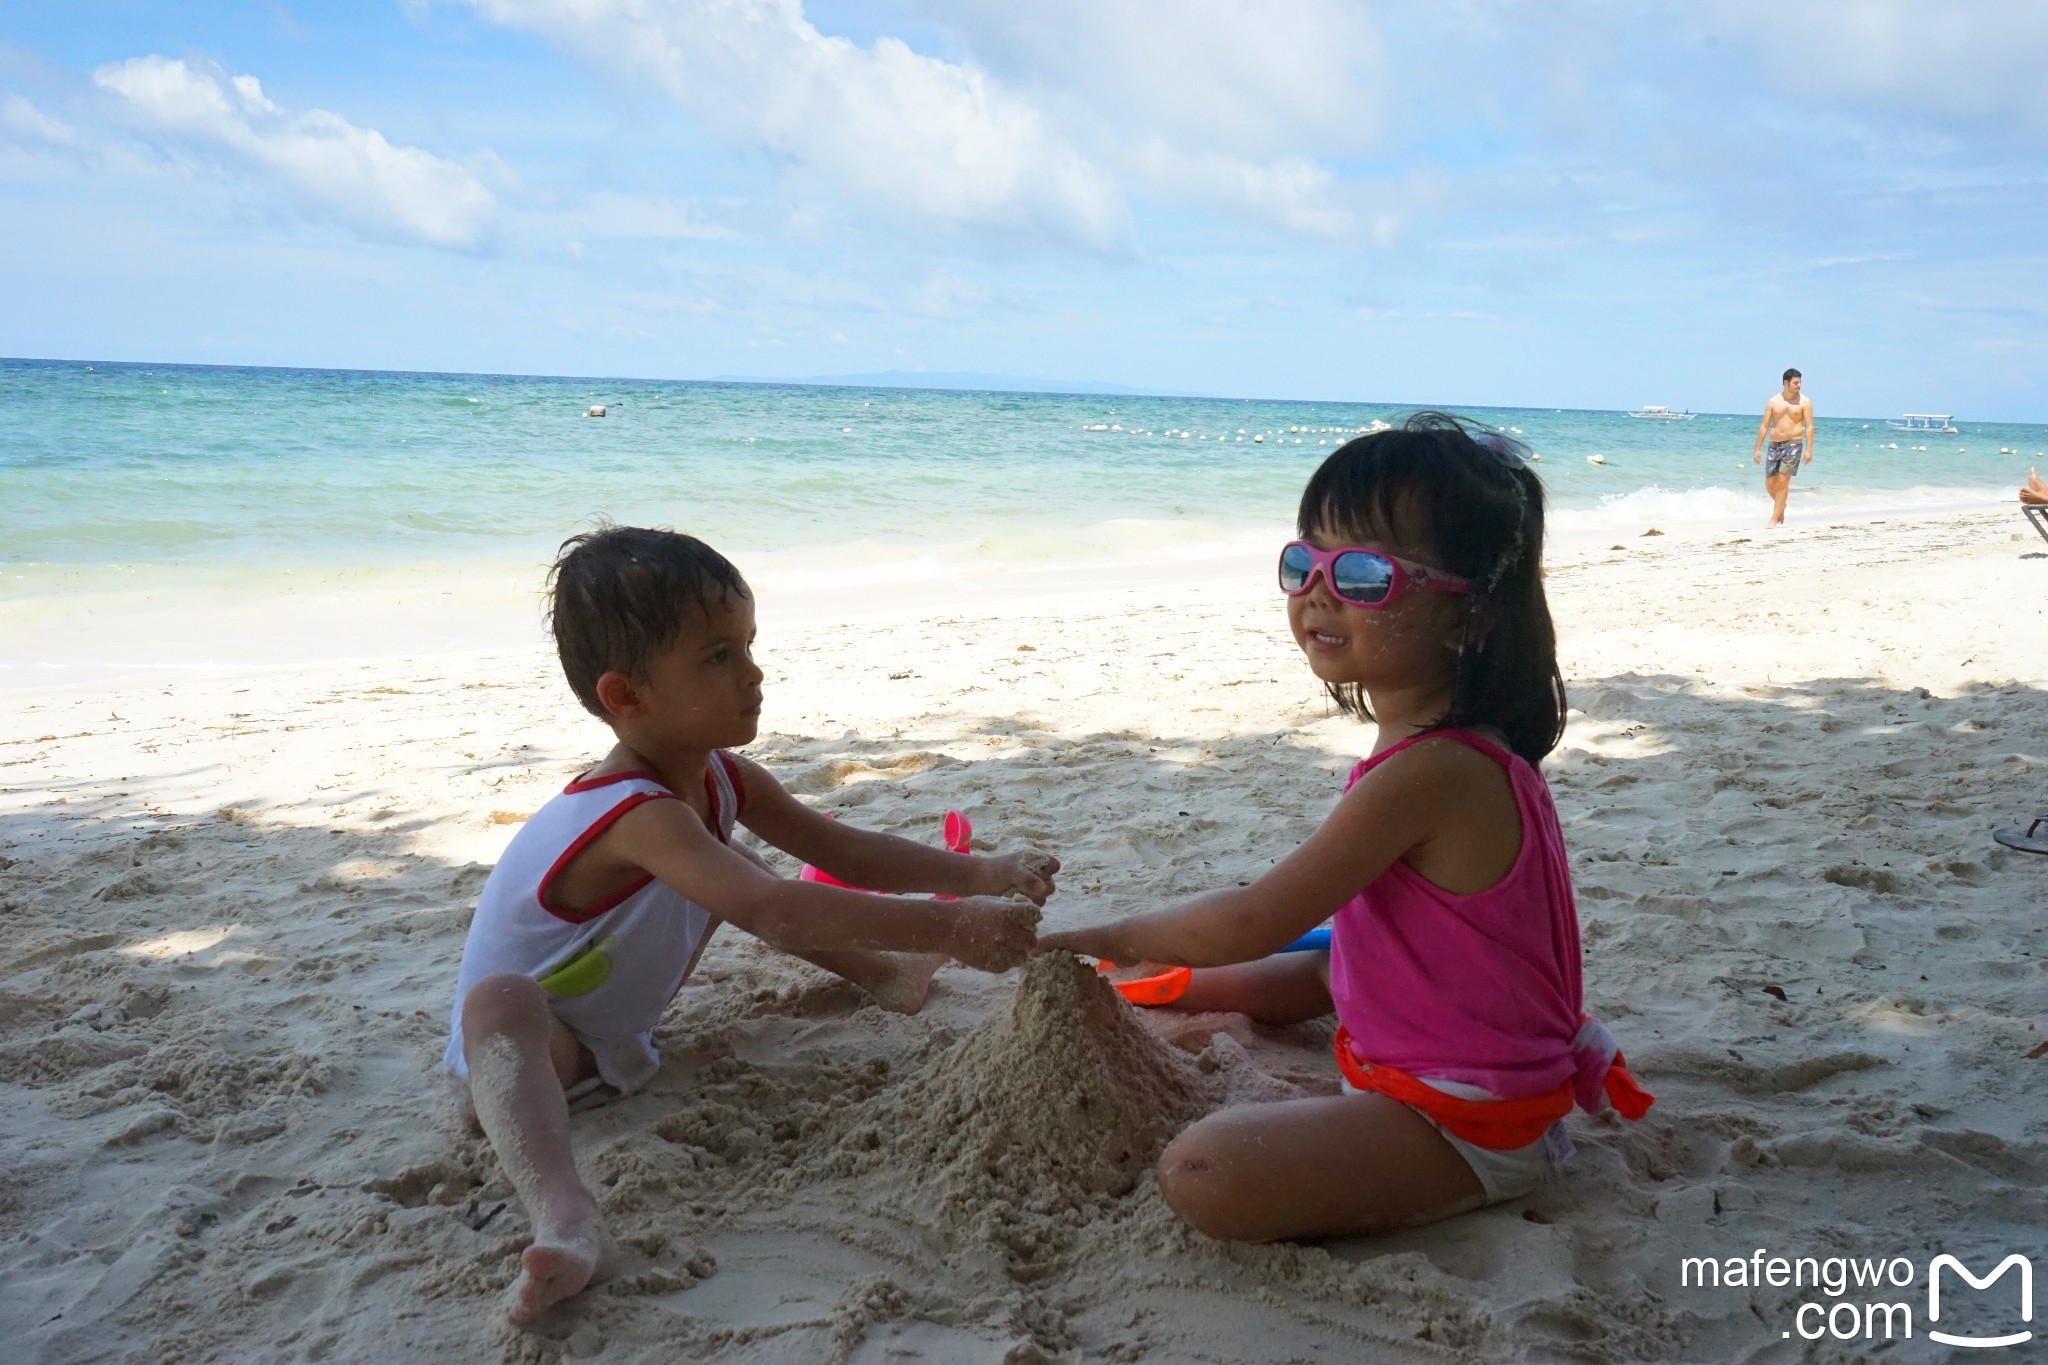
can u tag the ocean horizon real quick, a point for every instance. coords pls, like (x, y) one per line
(153, 486)
(941, 381)
(101, 464)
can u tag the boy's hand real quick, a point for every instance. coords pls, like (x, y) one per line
(991, 934)
(1095, 943)
(1026, 873)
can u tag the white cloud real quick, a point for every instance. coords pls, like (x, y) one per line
(891, 127)
(1258, 78)
(1225, 101)
(1293, 191)
(944, 294)
(346, 172)
(644, 215)
(1058, 109)
(24, 120)
(1974, 63)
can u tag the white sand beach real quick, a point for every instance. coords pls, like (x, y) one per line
(233, 902)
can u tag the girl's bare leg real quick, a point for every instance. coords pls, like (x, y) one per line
(1320, 1167)
(1286, 988)
(1317, 1167)
(520, 1060)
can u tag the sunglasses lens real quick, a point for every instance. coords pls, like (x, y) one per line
(1361, 577)
(1295, 567)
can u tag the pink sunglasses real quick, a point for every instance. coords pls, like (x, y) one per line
(1364, 578)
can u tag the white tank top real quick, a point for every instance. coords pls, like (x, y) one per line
(610, 969)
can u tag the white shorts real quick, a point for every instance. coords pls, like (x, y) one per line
(1503, 1175)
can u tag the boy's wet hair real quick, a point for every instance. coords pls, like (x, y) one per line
(618, 596)
(1465, 499)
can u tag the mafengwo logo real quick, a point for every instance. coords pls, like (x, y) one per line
(1847, 1316)
(1947, 1262)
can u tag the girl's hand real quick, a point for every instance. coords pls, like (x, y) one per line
(1027, 873)
(992, 934)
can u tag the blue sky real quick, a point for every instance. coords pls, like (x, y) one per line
(1558, 203)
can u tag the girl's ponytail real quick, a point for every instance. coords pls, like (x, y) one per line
(1507, 674)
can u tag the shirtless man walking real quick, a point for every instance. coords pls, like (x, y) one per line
(1788, 421)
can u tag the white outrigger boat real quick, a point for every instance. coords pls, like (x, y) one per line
(1933, 423)
(1652, 412)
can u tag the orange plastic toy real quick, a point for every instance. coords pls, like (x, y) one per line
(1160, 987)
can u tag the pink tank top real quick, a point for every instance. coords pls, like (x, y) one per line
(1481, 989)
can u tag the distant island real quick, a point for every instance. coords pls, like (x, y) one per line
(969, 380)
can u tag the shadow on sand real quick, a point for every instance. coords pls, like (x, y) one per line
(219, 1040)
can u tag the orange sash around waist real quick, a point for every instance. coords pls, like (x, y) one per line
(1498, 1125)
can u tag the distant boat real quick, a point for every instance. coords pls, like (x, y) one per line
(1651, 412)
(1935, 423)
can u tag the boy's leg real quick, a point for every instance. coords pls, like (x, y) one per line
(1321, 1167)
(1286, 988)
(898, 982)
(520, 1059)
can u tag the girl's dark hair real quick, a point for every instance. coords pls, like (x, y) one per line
(1469, 495)
(618, 596)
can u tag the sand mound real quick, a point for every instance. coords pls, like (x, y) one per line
(1044, 1115)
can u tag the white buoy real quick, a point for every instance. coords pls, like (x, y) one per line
(595, 410)
(1596, 459)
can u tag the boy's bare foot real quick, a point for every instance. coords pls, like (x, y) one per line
(898, 982)
(903, 985)
(558, 1264)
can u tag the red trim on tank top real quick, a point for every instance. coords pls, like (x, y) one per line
(732, 775)
(586, 782)
(583, 841)
(715, 817)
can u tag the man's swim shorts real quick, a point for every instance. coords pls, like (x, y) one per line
(1784, 458)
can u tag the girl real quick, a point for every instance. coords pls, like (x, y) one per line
(1416, 592)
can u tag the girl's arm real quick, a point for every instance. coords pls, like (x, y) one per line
(668, 840)
(865, 857)
(1391, 810)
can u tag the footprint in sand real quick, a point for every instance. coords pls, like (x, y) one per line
(1873, 879)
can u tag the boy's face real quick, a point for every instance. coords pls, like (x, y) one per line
(703, 691)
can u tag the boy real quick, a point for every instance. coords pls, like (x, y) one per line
(602, 903)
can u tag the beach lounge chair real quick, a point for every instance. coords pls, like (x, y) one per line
(2036, 513)
(2032, 839)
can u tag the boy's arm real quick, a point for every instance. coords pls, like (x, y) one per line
(864, 857)
(1393, 809)
(669, 841)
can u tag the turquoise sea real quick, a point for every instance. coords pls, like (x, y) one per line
(148, 479)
